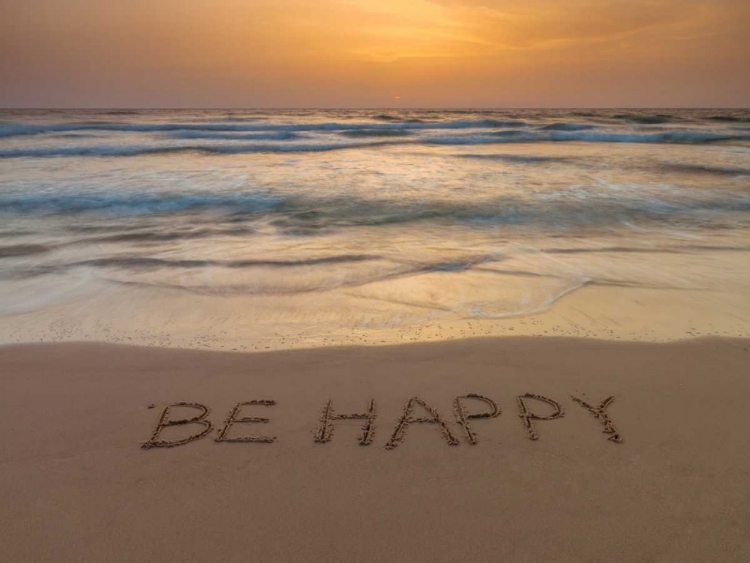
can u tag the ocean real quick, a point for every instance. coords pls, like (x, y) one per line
(266, 229)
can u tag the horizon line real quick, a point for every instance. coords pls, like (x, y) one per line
(364, 108)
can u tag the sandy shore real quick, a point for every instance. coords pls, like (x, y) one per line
(258, 324)
(76, 484)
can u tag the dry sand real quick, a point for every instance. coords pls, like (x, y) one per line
(76, 485)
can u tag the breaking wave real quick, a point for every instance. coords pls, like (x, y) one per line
(140, 150)
(292, 213)
(568, 127)
(656, 119)
(670, 137)
(394, 136)
(280, 136)
(359, 133)
(148, 262)
(14, 130)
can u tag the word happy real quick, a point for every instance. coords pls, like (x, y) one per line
(466, 408)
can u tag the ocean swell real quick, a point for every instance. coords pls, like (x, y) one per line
(15, 130)
(395, 137)
(153, 150)
(298, 214)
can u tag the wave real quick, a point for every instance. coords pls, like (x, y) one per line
(729, 119)
(281, 136)
(364, 133)
(568, 127)
(13, 233)
(135, 204)
(473, 310)
(15, 130)
(676, 137)
(669, 137)
(655, 119)
(144, 262)
(290, 214)
(688, 248)
(75, 135)
(17, 250)
(510, 134)
(147, 263)
(494, 137)
(146, 150)
(236, 119)
(514, 158)
(146, 237)
(110, 227)
(704, 169)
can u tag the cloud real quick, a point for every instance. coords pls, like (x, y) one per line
(456, 28)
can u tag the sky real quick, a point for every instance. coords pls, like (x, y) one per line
(374, 53)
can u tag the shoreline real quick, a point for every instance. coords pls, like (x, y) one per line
(76, 483)
(600, 312)
(109, 346)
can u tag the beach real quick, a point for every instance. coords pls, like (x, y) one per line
(375, 281)
(374, 336)
(77, 484)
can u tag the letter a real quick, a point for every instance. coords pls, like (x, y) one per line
(406, 419)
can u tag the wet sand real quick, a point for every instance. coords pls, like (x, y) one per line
(259, 324)
(77, 485)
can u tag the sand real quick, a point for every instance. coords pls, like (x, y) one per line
(127, 315)
(661, 475)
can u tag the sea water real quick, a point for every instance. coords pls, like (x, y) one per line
(230, 228)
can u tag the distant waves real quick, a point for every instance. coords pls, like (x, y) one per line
(672, 137)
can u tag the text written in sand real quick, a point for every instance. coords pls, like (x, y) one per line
(238, 426)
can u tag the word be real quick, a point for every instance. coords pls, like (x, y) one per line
(324, 431)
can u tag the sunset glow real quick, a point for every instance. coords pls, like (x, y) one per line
(356, 53)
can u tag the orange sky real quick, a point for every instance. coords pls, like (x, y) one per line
(374, 53)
